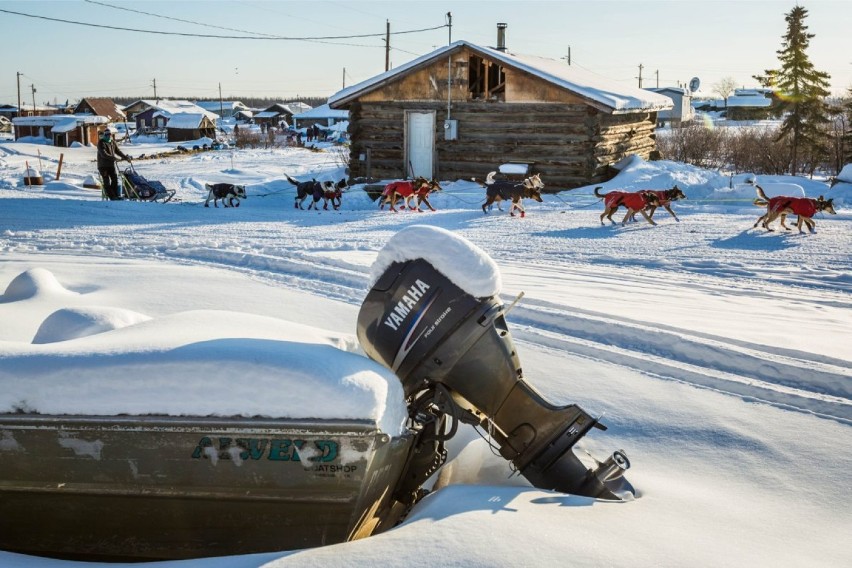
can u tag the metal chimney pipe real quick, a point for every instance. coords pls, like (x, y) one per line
(501, 37)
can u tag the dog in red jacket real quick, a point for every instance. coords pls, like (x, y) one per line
(634, 201)
(804, 207)
(418, 189)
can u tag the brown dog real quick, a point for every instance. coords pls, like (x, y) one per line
(499, 190)
(782, 206)
(664, 199)
(634, 201)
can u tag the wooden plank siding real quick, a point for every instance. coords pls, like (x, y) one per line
(570, 144)
(571, 141)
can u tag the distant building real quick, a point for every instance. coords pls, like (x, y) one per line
(9, 111)
(154, 114)
(189, 126)
(225, 109)
(60, 129)
(682, 111)
(749, 104)
(275, 114)
(322, 115)
(100, 107)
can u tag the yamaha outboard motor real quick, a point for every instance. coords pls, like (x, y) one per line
(435, 319)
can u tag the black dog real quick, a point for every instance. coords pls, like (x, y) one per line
(328, 191)
(229, 193)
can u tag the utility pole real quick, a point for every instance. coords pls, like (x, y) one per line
(387, 45)
(344, 77)
(658, 77)
(568, 57)
(155, 90)
(640, 75)
(449, 65)
(34, 92)
(19, 93)
(221, 104)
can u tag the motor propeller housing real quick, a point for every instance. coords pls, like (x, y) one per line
(432, 332)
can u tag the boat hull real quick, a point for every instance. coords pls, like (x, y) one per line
(133, 488)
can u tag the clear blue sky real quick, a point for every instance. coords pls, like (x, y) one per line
(676, 39)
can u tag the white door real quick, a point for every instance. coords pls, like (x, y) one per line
(420, 144)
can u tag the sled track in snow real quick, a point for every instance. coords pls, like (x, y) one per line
(785, 378)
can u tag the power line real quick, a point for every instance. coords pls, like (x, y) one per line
(184, 34)
(173, 19)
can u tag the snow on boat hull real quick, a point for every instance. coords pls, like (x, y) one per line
(134, 488)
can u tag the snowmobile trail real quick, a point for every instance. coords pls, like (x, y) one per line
(795, 380)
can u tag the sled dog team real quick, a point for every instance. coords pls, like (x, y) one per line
(415, 193)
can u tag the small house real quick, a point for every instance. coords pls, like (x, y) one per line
(681, 111)
(322, 115)
(462, 110)
(100, 107)
(749, 104)
(185, 126)
(225, 109)
(153, 115)
(275, 114)
(60, 129)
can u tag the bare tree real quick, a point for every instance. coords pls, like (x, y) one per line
(724, 87)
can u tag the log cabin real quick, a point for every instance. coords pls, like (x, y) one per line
(462, 110)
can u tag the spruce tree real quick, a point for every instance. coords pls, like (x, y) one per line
(801, 90)
(847, 136)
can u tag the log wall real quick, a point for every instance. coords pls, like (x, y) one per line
(569, 144)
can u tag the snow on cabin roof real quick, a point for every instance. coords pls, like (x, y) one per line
(67, 125)
(266, 114)
(322, 111)
(168, 107)
(601, 92)
(758, 101)
(59, 120)
(214, 106)
(185, 120)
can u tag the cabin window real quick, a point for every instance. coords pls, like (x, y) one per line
(487, 80)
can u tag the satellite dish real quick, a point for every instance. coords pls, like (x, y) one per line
(694, 84)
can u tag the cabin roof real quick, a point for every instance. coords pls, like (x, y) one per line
(186, 120)
(322, 111)
(600, 92)
(103, 107)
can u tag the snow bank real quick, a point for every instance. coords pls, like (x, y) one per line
(71, 323)
(103, 362)
(33, 283)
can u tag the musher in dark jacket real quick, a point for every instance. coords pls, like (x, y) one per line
(108, 155)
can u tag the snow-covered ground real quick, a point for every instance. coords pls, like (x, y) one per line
(718, 354)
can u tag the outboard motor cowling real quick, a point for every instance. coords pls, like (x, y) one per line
(437, 336)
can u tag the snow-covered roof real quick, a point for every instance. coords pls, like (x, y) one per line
(185, 120)
(322, 111)
(58, 121)
(601, 92)
(755, 100)
(267, 114)
(216, 106)
(167, 107)
(67, 125)
(674, 90)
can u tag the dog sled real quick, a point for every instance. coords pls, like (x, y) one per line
(138, 188)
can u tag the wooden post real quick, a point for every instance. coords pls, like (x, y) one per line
(26, 173)
(59, 167)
